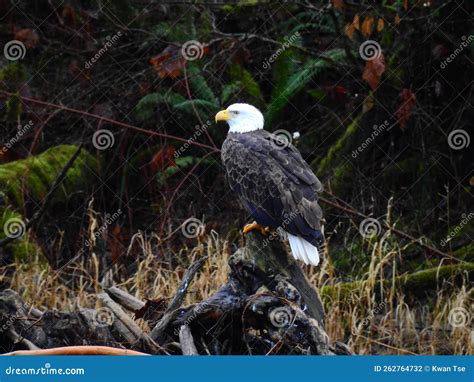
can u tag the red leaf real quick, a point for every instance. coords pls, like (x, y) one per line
(169, 63)
(115, 243)
(163, 159)
(28, 37)
(338, 4)
(373, 71)
(337, 93)
(404, 111)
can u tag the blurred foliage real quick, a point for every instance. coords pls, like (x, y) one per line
(301, 63)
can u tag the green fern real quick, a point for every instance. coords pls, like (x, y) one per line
(229, 91)
(199, 85)
(146, 106)
(299, 80)
(249, 85)
(202, 106)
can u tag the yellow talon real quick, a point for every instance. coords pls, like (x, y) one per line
(258, 227)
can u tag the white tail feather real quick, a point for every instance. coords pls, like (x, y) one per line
(303, 250)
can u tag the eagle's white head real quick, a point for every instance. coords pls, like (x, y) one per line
(241, 117)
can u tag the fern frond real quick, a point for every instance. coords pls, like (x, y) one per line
(300, 79)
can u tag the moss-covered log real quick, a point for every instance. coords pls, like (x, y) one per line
(31, 179)
(37, 174)
(416, 283)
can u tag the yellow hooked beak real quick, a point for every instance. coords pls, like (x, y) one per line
(223, 115)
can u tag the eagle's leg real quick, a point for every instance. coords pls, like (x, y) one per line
(258, 227)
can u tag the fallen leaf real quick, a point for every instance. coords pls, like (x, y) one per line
(373, 71)
(407, 104)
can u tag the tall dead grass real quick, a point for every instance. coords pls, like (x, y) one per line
(390, 321)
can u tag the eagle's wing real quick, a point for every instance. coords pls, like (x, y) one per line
(274, 182)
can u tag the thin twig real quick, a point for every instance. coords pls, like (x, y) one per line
(109, 120)
(350, 210)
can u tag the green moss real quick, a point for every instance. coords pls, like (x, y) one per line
(412, 283)
(39, 172)
(465, 253)
(23, 247)
(339, 147)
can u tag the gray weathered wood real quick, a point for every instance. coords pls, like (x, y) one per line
(186, 341)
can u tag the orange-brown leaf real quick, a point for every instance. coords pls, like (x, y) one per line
(163, 159)
(28, 37)
(407, 104)
(169, 63)
(367, 26)
(356, 21)
(380, 25)
(115, 245)
(397, 20)
(338, 4)
(373, 71)
(349, 30)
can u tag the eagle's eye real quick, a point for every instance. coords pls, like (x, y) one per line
(235, 112)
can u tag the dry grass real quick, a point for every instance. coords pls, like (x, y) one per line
(397, 323)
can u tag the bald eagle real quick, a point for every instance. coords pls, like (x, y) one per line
(273, 181)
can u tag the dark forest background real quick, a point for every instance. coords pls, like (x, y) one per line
(380, 96)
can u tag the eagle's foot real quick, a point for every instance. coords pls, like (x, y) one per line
(265, 231)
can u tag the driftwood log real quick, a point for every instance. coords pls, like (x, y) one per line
(267, 306)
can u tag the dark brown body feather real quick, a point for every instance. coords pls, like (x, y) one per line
(274, 183)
